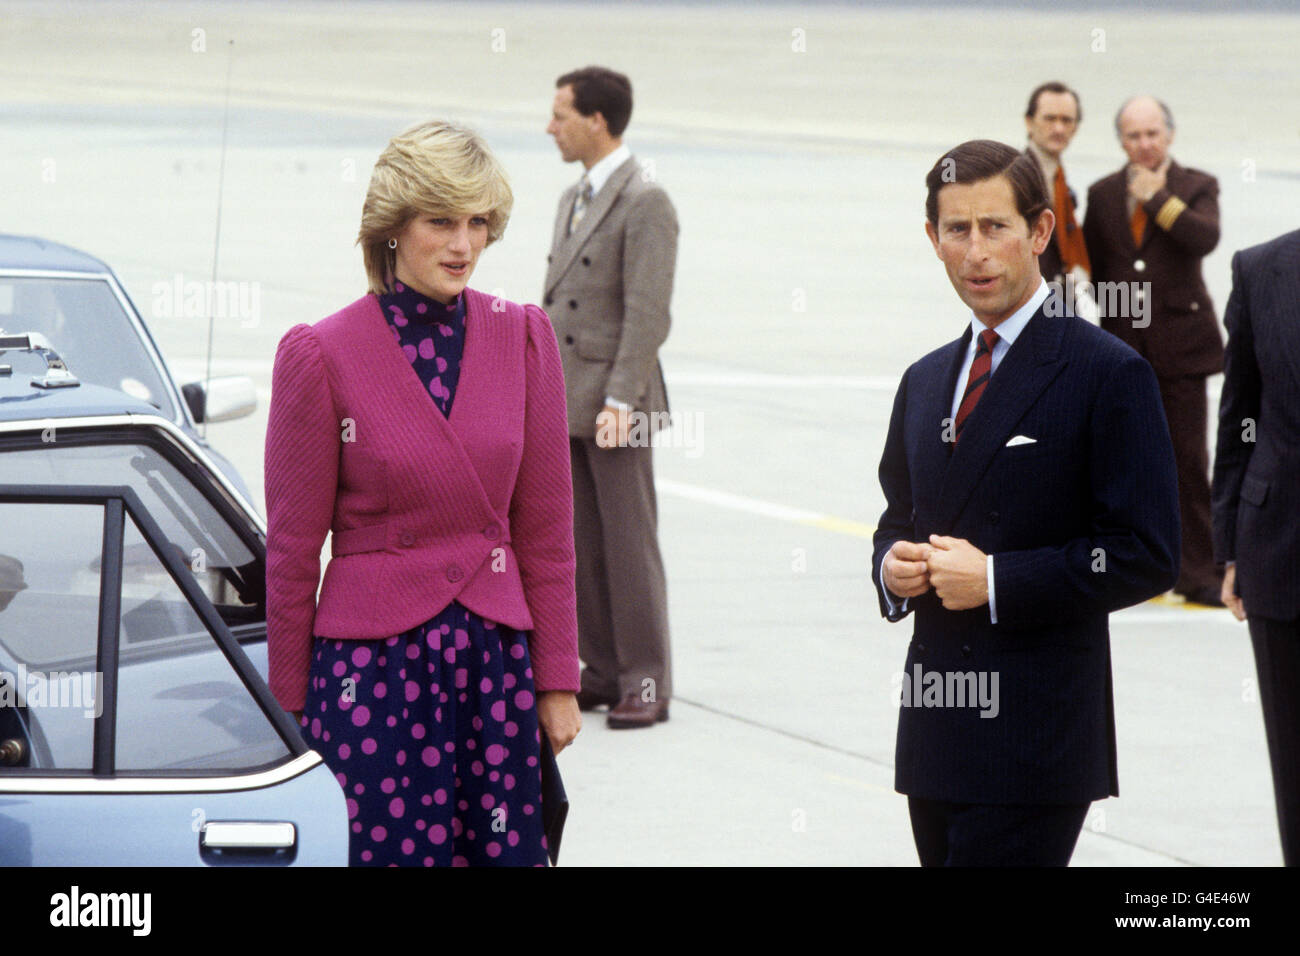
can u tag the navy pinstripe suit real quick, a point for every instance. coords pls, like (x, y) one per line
(1081, 522)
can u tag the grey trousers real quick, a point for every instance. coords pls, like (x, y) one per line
(622, 593)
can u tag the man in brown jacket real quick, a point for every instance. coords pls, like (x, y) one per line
(608, 285)
(1147, 227)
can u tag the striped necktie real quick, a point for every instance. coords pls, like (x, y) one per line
(980, 370)
(581, 203)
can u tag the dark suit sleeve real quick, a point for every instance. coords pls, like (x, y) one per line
(649, 259)
(898, 521)
(1239, 402)
(1191, 222)
(1130, 550)
(1093, 241)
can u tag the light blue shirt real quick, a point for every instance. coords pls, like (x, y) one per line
(1008, 330)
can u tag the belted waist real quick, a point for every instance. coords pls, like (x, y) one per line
(382, 537)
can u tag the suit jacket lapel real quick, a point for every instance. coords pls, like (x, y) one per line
(567, 246)
(378, 349)
(933, 452)
(559, 234)
(1024, 372)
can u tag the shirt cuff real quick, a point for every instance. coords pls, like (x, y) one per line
(894, 608)
(993, 601)
(621, 406)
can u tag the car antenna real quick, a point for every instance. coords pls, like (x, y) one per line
(216, 238)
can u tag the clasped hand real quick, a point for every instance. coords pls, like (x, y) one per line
(955, 568)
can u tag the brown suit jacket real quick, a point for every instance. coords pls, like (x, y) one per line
(1183, 337)
(608, 287)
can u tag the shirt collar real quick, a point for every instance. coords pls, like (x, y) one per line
(1046, 163)
(1009, 329)
(599, 174)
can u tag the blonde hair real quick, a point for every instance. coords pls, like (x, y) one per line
(432, 168)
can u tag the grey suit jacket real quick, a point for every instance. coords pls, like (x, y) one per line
(608, 287)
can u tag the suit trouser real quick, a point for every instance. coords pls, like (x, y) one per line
(978, 834)
(1186, 411)
(622, 593)
(1277, 665)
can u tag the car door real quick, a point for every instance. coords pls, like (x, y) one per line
(134, 728)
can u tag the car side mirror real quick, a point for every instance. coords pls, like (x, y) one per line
(224, 399)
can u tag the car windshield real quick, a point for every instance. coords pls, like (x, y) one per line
(87, 325)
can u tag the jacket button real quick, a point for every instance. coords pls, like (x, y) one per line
(550, 256)
(1139, 265)
(568, 340)
(407, 539)
(491, 532)
(586, 260)
(965, 650)
(993, 517)
(573, 303)
(920, 648)
(454, 573)
(548, 300)
(1196, 306)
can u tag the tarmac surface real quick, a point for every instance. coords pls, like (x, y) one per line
(794, 142)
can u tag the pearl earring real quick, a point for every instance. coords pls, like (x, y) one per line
(392, 243)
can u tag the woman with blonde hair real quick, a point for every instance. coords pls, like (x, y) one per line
(424, 426)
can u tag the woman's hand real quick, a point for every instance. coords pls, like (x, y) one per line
(557, 712)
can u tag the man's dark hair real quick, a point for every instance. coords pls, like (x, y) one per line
(1053, 87)
(597, 89)
(981, 159)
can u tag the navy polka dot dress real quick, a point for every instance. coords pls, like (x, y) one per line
(435, 738)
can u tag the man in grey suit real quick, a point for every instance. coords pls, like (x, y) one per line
(608, 285)
(1256, 497)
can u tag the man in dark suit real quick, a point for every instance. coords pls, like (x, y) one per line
(1147, 228)
(1257, 497)
(1030, 491)
(1051, 120)
(608, 285)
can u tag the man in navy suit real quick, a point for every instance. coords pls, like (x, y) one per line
(1257, 497)
(1031, 490)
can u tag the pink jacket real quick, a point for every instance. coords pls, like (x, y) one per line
(424, 509)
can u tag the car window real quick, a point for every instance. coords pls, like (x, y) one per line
(49, 629)
(182, 706)
(86, 324)
(231, 575)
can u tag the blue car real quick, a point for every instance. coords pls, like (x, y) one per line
(77, 303)
(136, 727)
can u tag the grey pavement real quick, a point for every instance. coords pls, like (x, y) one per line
(793, 141)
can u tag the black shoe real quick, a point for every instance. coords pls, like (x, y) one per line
(1207, 596)
(590, 700)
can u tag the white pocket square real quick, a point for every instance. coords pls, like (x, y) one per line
(1022, 440)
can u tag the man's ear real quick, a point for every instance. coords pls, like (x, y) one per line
(933, 233)
(1041, 234)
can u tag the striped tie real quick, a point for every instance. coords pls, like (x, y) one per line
(581, 203)
(980, 370)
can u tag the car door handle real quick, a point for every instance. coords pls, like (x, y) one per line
(247, 835)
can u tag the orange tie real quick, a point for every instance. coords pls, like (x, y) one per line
(1069, 237)
(1138, 224)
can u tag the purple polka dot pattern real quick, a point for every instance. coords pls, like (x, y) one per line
(466, 795)
(431, 336)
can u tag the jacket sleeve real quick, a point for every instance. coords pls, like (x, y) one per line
(1191, 222)
(1130, 551)
(898, 521)
(302, 459)
(649, 259)
(1239, 402)
(541, 514)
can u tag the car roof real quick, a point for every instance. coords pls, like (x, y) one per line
(21, 401)
(32, 252)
